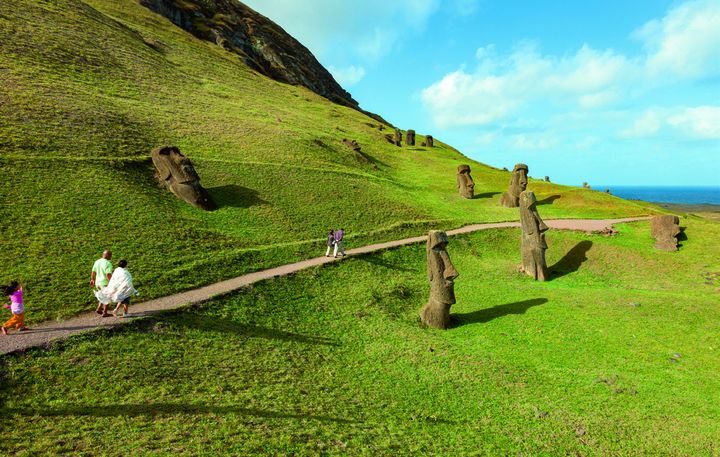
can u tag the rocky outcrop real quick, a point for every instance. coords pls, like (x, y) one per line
(261, 44)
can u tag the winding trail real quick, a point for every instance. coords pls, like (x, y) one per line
(44, 334)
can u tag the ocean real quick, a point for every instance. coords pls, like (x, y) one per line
(679, 195)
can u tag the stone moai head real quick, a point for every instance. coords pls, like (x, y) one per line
(398, 137)
(665, 229)
(352, 144)
(410, 137)
(465, 183)
(429, 141)
(586, 185)
(547, 178)
(441, 274)
(177, 173)
(533, 243)
(518, 184)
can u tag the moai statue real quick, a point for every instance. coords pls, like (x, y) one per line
(547, 178)
(586, 185)
(442, 274)
(533, 243)
(352, 144)
(410, 138)
(465, 183)
(607, 191)
(398, 137)
(665, 229)
(518, 184)
(177, 173)
(429, 141)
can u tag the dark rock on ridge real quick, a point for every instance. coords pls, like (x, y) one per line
(263, 45)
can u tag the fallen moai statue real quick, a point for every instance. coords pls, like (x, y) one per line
(178, 174)
(665, 229)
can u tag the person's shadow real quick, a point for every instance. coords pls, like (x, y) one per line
(571, 261)
(235, 196)
(548, 200)
(488, 314)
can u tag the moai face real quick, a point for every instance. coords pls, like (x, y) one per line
(410, 138)
(547, 178)
(518, 184)
(398, 137)
(465, 183)
(442, 275)
(178, 174)
(665, 229)
(533, 243)
(429, 141)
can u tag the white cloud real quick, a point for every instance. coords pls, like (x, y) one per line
(347, 76)
(646, 125)
(533, 142)
(702, 122)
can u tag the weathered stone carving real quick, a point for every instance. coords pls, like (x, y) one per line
(665, 229)
(465, 183)
(398, 137)
(586, 185)
(429, 141)
(547, 178)
(533, 243)
(177, 173)
(352, 144)
(442, 274)
(410, 138)
(518, 184)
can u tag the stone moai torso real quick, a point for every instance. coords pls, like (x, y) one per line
(547, 178)
(665, 229)
(178, 174)
(442, 274)
(532, 245)
(465, 183)
(398, 137)
(410, 137)
(429, 141)
(518, 184)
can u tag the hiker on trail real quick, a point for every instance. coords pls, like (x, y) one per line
(119, 289)
(339, 235)
(330, 243)
(14, 292)
(99, 277)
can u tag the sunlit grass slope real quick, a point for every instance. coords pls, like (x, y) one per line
(616, 355)
(90, 87)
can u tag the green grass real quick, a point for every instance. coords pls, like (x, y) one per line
(333, 360)
(89, 88)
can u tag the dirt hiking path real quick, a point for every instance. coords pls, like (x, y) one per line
(44, 334)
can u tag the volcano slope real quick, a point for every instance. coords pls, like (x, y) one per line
(90, 87)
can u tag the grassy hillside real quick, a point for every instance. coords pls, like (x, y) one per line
(88, 88)
(610, 357)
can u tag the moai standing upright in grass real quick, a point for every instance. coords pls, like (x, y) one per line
(177, 173)
(410, 137)
(442, 274)
(398, 137)
(518, 184)
(532, 245)
(665, 229)
(429, 141)
(465, 183)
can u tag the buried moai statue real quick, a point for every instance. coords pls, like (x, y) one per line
(352, 144)
(398, 137)
(465, 183)
(586, 185)
(442, 274)
(410, 138)
(547, 178)
(665, 229)
(177, 173)
(429, 141)
(518, 184)
(533, 243)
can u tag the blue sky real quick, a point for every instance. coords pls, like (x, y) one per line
(612, 93)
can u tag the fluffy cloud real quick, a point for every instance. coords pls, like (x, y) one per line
(700, 122)
(347, 76)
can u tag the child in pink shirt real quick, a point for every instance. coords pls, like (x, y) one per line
(15, 293)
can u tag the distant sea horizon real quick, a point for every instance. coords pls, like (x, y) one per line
(688, 195)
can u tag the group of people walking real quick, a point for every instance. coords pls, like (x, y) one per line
(111, 286)
(335, 243)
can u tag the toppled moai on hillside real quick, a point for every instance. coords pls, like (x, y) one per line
(665, 229)
(465, 183)
(178, 174)
(352, 144)
(518, 184)
(532, 245)
(442, 275)
(410, 137)
(398, 137)
(547, 178)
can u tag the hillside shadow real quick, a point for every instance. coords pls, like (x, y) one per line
(572, 261)
(153, 409)
(548, 201)
(486, 195)
(234, 196)
(488, 314)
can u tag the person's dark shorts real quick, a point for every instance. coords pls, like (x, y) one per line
(126, 301)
